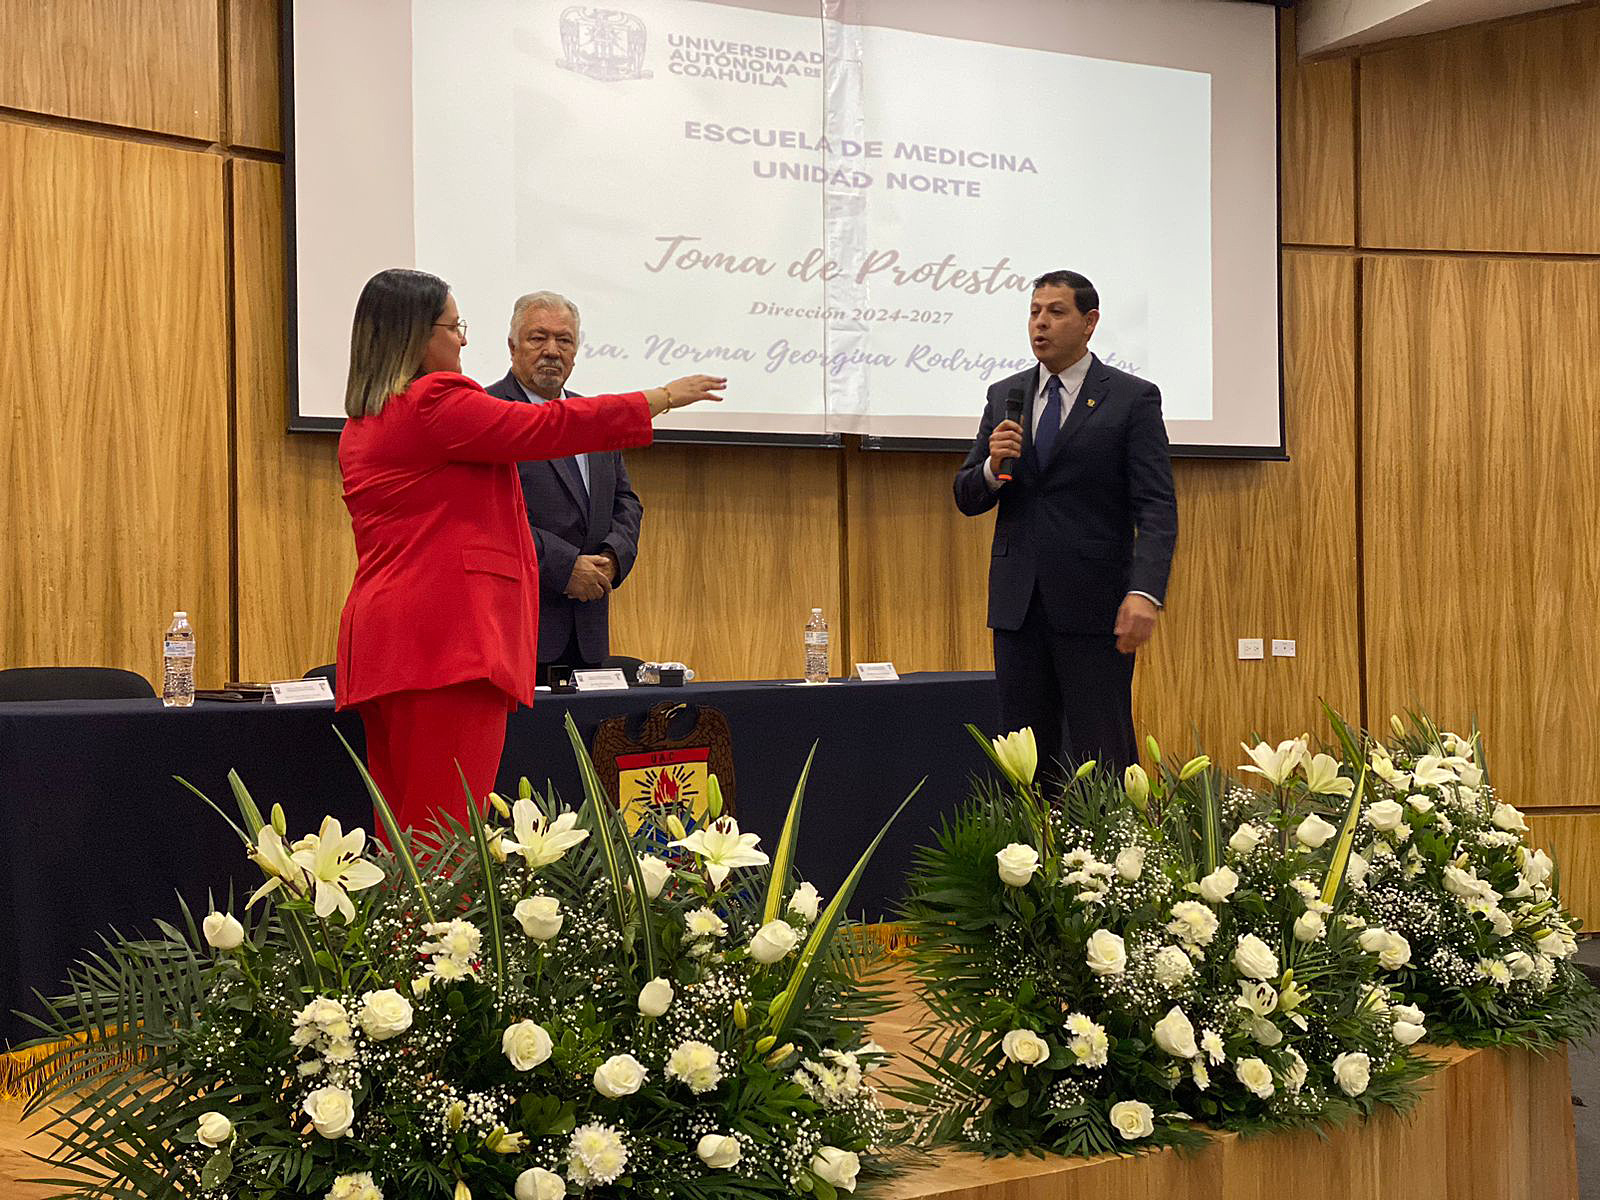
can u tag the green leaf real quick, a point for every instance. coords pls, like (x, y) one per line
(216, 1171)
(783, 853)
(1347, 836)
(398, 840)
(783, 1010)
(491, 893)
(616, 850)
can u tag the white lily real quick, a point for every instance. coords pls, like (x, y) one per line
(722, 847)
(274, 858)
(540, 842)
(334, 863)
(1432, 771)
(1323, 778)
(1275, 765)
(1019, 754)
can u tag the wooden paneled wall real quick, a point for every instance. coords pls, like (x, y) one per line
(1431, 540)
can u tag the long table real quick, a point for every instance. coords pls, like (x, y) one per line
(96, 834)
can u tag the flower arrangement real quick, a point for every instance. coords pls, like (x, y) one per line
(536, 1005)
(1441, 867)
(1148, 958)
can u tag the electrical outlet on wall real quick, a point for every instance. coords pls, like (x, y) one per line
(1282, 647)
(1250, 648)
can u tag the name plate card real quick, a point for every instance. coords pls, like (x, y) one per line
(301, 691)
(600, 681)
(876, 671)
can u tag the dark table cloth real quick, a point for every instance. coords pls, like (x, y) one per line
(95, 833)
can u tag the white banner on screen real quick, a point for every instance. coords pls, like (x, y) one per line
(842, 216)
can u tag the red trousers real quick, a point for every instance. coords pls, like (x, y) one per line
(415, 740)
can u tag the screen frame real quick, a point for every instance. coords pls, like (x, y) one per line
(299, 422)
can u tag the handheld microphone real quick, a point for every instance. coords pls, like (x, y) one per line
(1013, 413)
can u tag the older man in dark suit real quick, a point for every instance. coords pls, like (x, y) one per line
(584, 514)
(1084, 538)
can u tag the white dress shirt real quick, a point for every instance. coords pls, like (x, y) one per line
(1071, 384)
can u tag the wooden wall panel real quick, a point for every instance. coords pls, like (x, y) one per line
(919, 569)
(1317, 168)
(1573, 840)
(295, 553)
(1482, 483)
(738, 545)
(1268, 550)
(253, 53)
(135, 63)
(1485, 139)
(114, 437)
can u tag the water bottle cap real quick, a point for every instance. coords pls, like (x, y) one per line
(180, 613)
(816, 612)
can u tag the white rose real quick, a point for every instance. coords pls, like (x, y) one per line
(773, 941)
(1171, 966)
(838, 1167)
(384, 1014)
(332, 1111)
(696, 1065)
(1384, 816)
(1352, 1072)
(1356, 869)
(655, 874)
(1295, 1077)
(1130, 862)
(525, 1044)
(1255, 1075)
(1536, 868)
(1420, 803)
(655, 997)
(619, 1075)
(223, 931)
(1219, 885)
(215, 1129)
(1017, 864)
(1245, 839)
(538, 1184)
(1521, 964)
(1106, 953)
(539, 916)
(1309, 927)
(1132, 1119)
(1509, 818)
(1174, 1033)
(1026, 1047)
(805, 902)
(1499, 921)
(718, 1151)
(1254, 958)
(1313, 832)
(1408, 1033)
(1392, 949)
(1407, 1012)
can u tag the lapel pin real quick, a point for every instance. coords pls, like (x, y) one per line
(1091, 402)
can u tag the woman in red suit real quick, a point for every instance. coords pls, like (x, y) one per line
(437, 639)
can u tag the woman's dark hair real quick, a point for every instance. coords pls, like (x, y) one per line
(393, 322)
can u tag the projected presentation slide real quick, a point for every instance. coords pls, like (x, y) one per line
(843, 217)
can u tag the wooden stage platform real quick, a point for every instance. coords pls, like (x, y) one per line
(1494, 1125)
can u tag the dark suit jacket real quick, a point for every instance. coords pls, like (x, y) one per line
(566, 525)
(1101, 521)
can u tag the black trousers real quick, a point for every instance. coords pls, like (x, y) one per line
(571, 656)
(1074, 690)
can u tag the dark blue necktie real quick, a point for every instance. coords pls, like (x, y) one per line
(1044, 440)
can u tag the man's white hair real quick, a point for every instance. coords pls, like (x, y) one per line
(541, 300)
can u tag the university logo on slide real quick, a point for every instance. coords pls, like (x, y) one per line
(603, 43)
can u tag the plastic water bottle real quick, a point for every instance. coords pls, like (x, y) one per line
(816, 648)
(177, 675)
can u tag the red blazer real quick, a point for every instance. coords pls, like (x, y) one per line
(447, 588)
